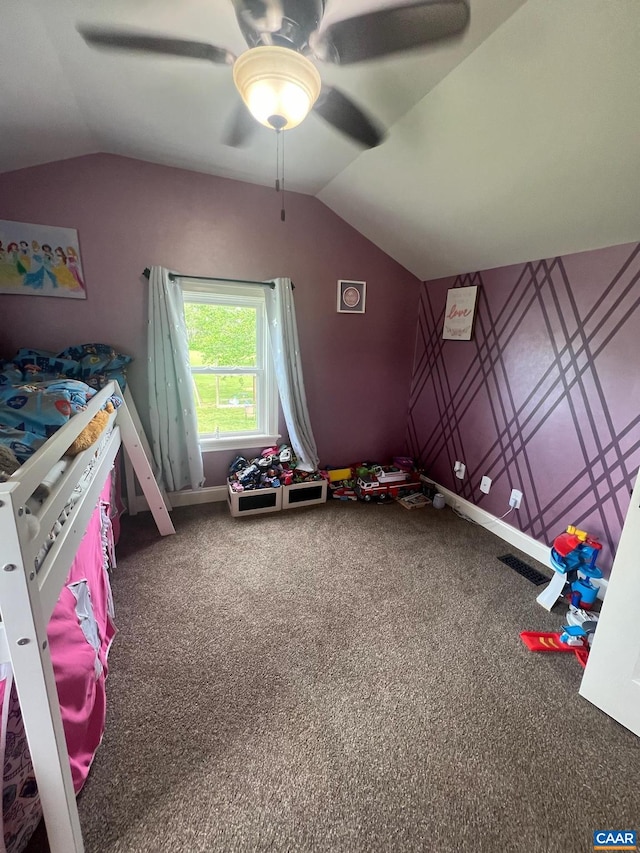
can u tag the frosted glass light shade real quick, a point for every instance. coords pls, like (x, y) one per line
(278, 85)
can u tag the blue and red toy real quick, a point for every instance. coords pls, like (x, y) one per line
(573, 557)
(575, 550)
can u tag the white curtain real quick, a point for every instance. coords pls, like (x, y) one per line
(283, 332)
(174, 426)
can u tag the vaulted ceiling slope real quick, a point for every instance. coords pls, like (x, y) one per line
(528, 149)
(517, 141)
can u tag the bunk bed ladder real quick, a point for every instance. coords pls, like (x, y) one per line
(139, 454)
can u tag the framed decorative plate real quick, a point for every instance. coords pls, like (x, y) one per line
(351, 296)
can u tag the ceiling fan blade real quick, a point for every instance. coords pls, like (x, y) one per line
(147, 43)
(340, 111)
(391, 29)
(240, 127)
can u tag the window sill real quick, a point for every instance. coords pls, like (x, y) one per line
(238, 442)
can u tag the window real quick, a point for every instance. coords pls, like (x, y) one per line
(233, 379)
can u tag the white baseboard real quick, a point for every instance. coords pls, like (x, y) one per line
(523, 542)
(537, 550)
(187, 497)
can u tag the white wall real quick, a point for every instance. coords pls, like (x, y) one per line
(528, 149)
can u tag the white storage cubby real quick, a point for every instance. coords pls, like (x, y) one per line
(258, 501)
(304, 494)
(254, 501)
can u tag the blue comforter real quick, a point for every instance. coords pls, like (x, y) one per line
(40, 391)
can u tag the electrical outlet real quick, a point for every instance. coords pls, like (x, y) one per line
(516, 497)
(460, 469)
(485, 484)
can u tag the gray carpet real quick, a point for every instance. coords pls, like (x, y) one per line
(346, 677)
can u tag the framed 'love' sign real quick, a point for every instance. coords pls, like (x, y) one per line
(459, 313)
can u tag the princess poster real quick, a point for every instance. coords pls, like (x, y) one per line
(40, 260)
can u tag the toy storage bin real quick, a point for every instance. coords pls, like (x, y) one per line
(304, 494)
(254, 501)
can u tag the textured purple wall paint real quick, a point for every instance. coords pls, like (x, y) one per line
(130, 214)
(545, 396)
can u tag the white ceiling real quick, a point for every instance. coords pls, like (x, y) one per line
(518, 141)
(528, 149)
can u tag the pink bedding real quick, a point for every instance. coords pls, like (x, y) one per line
(80, 634)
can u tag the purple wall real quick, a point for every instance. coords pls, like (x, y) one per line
(544, 398)
(131, 214)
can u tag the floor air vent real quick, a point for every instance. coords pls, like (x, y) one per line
(524, 569)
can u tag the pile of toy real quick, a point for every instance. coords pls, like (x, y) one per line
(342, 482)
(573, 557)
(275, 467)
(370, 480)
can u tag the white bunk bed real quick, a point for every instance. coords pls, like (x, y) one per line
(28, 595)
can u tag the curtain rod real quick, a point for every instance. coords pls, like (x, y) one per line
(173, 277)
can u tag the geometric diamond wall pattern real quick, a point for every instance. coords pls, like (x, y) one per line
(544, 398)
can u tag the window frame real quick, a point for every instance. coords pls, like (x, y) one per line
(213, 292)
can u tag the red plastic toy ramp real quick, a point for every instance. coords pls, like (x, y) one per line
(582, 655)
(541, 641)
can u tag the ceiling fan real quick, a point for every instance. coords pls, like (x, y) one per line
(276, 78)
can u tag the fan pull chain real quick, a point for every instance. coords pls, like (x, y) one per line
(280, 171)
(282, 213)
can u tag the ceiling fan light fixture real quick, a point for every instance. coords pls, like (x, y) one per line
(278, 85)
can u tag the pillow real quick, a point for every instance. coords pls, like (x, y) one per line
(99, 363)
(95, 364)
(95, 358)
(47, 362)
